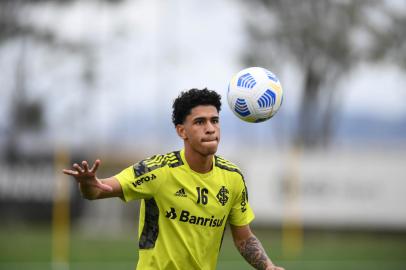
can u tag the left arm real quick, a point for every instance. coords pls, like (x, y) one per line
(251, 248)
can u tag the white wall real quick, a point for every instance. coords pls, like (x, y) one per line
(340, 189)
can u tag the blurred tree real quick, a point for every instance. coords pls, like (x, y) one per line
(27, 114)
(325, 39)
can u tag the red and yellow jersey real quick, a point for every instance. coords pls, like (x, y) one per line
(183, 213)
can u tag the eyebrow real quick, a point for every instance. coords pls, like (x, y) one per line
(204, 118)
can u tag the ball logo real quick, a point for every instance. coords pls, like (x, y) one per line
(271, 76)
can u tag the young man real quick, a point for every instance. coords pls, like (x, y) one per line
(187, 196)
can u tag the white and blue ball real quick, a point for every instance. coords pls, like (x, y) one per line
(254, 94)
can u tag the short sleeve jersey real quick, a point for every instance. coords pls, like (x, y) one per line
(183, 213)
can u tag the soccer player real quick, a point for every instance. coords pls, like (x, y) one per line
(187, 196)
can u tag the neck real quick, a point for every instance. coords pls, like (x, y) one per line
(198, 162)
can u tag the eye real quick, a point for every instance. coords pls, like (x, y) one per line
(199, 122)
(215, 120)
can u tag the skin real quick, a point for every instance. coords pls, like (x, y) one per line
(201, 135)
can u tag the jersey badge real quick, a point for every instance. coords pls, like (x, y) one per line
(222, 196)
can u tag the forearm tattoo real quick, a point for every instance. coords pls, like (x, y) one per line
(253, 252)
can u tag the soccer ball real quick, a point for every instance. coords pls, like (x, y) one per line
(254, 94)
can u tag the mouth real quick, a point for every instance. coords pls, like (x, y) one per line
(210, 140)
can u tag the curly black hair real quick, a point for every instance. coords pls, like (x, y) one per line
(187, 100)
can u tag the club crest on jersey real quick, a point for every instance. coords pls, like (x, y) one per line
(222, 196)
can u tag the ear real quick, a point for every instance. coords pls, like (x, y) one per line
(180, 129)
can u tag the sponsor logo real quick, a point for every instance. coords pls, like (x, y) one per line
(186, 217)
(222, 195)
(244, 201)
(181, 193)
(171, 214)
(143, 179)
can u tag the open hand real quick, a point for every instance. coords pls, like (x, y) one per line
(87, 177)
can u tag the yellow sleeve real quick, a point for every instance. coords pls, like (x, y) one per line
(140, 186)
(241, 213)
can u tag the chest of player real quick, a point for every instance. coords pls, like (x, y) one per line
(196, 195)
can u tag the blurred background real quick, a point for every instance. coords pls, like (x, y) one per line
(96, 79)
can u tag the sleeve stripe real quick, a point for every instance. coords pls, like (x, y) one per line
(158, 161)
(226, 165)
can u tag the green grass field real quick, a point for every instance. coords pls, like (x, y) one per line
(30, 248)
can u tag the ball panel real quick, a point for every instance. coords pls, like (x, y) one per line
(267, 99)
(246, 81)
(241, 107)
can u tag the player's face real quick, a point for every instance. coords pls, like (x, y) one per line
(201, 130)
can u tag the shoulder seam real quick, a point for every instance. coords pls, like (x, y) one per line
(150, 164)
(226, 165)
(173, 159)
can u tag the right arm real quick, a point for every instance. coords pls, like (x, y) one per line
(90, 186)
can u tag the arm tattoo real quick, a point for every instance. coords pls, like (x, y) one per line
(253, 252)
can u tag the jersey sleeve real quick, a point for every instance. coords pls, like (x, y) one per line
(241, 213)
(142, 180)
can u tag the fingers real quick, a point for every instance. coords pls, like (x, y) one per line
(85, 166)
(70, 172)
(95, 166)
(78, 168)
(82, 171)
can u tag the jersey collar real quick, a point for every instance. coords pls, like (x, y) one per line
(208, 174)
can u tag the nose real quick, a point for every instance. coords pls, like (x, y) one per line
(210, 127)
